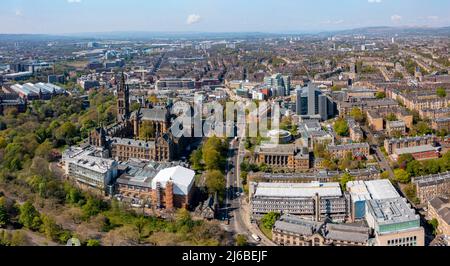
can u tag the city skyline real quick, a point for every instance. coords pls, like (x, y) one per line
(83, 16)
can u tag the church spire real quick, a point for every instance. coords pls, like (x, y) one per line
(123, 100)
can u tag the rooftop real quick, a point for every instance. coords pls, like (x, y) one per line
(348, 146)
(429, 180)
(182, 178)
(358, 191)
(416, 149)
(442, 207)
(276, 148)
(297, 190)
(410, 139)
(134, 143)
(381, 189)
(391, 211)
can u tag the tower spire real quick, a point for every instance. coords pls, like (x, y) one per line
(123, 100)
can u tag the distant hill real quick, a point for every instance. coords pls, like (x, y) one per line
(401, 31)
(140, 35)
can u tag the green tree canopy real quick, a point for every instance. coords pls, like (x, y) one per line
(345, 178)
(441, 92)
(434, 223)
(29, 217)
(215, 181)
(341, 127)
(93, 243)
(380, 95)
(402, 176)
(4, 217)
(357, 114)
(268, 220)
(147, 131)
(241, 241)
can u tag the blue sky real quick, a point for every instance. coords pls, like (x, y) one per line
(74, 16)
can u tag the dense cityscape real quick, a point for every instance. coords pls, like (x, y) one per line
(125, 141)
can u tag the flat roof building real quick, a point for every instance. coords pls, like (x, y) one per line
(315, 200)
(395, 223)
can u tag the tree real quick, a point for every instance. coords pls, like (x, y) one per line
(404, 160)
(385, 175)
(402, 176)
(215, 181)
(29, 216)
(345, 178)
(66, 132)
(341, 127)
(49, 227)
(435, 225)
(422, 128)
(268, 220)
(357, 114)
(411, 193)
(415, 168)
(147, 131)
(391, 117)
(196, 160)
(380, 95)
(4, 217)
(153, 99)
(92, 207)
(212, 159)
(18, 239)
(135, 106)
(93, 243)
(441, 92)
(214, 152)
(140, 224)
(44, 150)
(241, 241)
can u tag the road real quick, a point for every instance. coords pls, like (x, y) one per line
(237, 209)
(379, 155)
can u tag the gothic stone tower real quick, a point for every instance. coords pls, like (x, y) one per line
(123, 101)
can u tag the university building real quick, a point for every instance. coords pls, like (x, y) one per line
(395, 223)
(316, 201)
(356, 149)
(431, 186)
(291, 230)
(439, 209)
(286, 157)
(123, 139)
(165, 185)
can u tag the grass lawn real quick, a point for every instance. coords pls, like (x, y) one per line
(266, 232)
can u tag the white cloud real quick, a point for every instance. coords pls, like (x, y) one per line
(18, 13)
(374, 1)
(396, 18)
(193, 18)
(333, 22)
(74, 1)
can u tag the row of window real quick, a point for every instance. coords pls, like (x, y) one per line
(405, 241)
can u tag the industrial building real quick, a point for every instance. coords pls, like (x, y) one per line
(43, 91)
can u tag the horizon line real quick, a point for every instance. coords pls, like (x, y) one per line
(74, 34)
